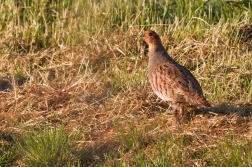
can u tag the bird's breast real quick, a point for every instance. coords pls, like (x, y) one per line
(161, 84)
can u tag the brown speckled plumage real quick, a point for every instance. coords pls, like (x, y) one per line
(171, 81)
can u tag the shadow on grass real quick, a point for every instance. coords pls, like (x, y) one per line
(6, 82)
(240, 110)
(97, 153)
(8, 151)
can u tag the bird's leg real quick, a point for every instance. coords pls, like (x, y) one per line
(178, 113)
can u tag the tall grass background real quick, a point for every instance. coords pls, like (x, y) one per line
(75, 92)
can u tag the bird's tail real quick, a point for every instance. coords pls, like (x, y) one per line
(204, 102)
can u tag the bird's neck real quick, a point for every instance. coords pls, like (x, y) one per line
(155, 47)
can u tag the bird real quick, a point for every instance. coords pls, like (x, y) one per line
(171, 81)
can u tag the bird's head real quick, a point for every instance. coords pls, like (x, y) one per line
(151, 38)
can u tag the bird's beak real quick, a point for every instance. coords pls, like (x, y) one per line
(142, 35)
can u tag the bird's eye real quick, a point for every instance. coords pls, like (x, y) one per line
(150, 34)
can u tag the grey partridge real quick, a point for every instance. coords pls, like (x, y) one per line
(171, 81)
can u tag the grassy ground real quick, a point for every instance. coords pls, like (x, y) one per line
(75, 92)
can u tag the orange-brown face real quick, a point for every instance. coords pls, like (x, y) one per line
(151, 37)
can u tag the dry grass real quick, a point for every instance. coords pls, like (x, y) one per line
(102, 86)
(99, 90)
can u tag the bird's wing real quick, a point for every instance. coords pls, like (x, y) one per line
(181, 81)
